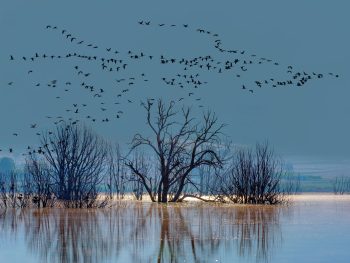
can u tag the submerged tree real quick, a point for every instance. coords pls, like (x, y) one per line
(179, 147)
(39, 181)
(10, 195)
(116, 179)
(341, 185)
(256, 177)
(76, 158)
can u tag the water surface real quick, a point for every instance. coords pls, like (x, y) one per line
(310, 230)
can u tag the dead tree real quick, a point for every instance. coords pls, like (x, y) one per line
(143, 165)
(341, 185)
(266, 184)
(179, 147)
(116, 179)
(5, 202)
(76, 157)
(11, 191)
(256, 177)
(209, 177)
(38, 178)
(236, 183)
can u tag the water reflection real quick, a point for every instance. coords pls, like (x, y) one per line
(147, 233)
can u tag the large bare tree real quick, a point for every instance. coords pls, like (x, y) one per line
(180, 144)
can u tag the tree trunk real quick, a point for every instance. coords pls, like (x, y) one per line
(165, 191)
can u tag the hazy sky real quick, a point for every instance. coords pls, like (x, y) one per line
(310, 121)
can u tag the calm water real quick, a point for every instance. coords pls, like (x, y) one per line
(307, 231)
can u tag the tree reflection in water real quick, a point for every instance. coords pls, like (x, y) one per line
(142, 232)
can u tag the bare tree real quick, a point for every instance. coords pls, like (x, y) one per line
(3, 191)
(38, 178)
(256, 177)
(76, 158)
(143, 165)
(116, 173)
(179, 147)
(341, 185)
(209, 176)
(235, 183)
(11, 191)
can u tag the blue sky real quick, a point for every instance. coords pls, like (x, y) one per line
(311, 122)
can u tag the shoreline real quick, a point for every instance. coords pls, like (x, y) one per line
(319, 197)
(299, 197)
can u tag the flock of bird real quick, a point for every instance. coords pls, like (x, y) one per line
(189, 79)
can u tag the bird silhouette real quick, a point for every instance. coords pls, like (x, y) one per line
(229, 60)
